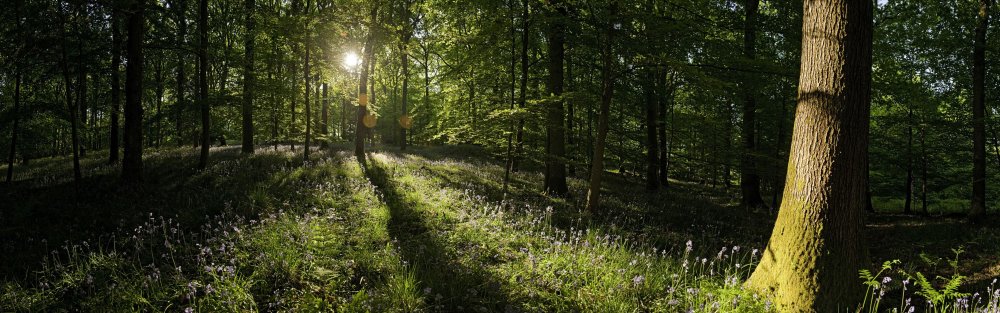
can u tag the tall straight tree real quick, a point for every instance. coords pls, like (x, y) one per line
(132, 161)
(652, 151)
(607, 91)
(405, 62)
(749, 180)
(305, 80)
(979, 113)
(180, 105)
(817, 247)
(68, 90)
(203, 81)
(555, 147)
(249, 77)
(360, 131)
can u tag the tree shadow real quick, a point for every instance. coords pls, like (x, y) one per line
(447, 283)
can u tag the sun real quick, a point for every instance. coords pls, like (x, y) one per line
(351, 60)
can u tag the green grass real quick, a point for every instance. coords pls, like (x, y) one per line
(428, 230)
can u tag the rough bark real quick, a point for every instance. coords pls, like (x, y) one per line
(555, 148)
(979, 114)
(817, 247)
(132, 157)
(249, 78)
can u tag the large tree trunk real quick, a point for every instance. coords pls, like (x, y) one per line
(607, 91)
(749, 180)
(979, 113)
(812, 260)
(132, 161)
(203, 82)
(652, 157)
(555, 148)
(249, 78)
(14, 127)
(923, 170)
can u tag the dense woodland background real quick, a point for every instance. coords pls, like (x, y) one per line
(692, 100)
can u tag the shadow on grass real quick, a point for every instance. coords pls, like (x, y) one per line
(40, 215)
(447, 283)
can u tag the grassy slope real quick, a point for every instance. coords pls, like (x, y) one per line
(428, 230)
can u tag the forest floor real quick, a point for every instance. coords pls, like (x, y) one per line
(428, 229)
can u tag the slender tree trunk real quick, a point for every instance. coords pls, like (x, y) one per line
(652, 159)
(159, 98)
(749, 180)
(779, 142)
(666, 103)
(909, 162)
(979, 113)
(14, 127)
(812, 260)
(116, 47)
(923, 169)
(325, 117)
(359, 130)
(81, 102)
(522, 94)
(607, 92)
(570, 113)
(555, 148)
(249, 77)
(132, 161)
(305, 80)
(71, 105)
(513, 86)
(203, 83)
(181, 104)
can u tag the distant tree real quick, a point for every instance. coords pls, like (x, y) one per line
(817, 246)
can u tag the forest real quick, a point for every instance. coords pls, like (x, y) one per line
(499, 156)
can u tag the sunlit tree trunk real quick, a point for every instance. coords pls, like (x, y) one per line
(812, 260)
(132, 158)
(979, 113)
